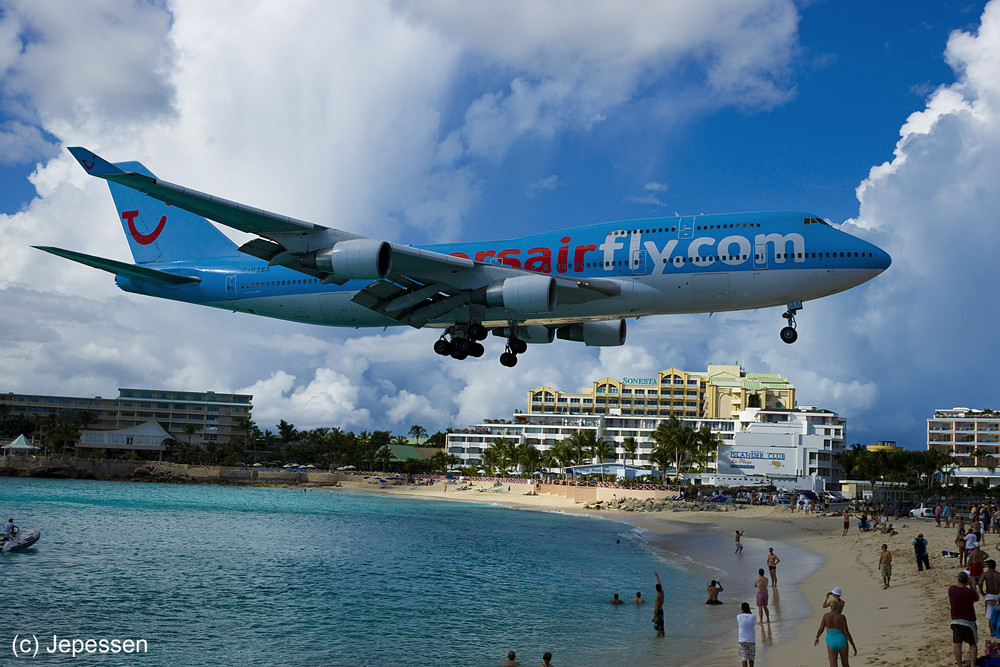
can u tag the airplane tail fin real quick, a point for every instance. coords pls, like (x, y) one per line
(159, 232)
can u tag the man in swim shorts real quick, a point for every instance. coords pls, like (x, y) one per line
(772, 565)
(739, 546)
(963, 617)
(885, 565)
(747, 636)
(976, 558)
(760, 583)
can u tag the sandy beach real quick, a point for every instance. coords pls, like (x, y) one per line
(906, 624)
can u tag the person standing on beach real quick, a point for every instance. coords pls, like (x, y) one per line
(837, 636)
(772, 565)
(885, 565)
(847, 520)
(760, 583)
(658, 608)
(976, 559)
(837, 602)
(747, 635)
(963, 600)
(960, 545)
(739, 545)
(920, 551)
(946, 513)
(989, 587)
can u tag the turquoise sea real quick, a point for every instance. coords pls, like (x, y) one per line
(220, 575)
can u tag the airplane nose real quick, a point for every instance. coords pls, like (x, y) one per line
(882, 258)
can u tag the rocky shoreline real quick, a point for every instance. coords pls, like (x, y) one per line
(651, 505)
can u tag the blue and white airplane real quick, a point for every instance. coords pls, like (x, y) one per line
(578, 284)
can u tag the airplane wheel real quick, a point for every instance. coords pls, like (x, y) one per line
(789, 335)
(477, 350)
(477, 332)
(442, 347)
(509, 360)
(457, 354)
(463, 345)
(518, 346)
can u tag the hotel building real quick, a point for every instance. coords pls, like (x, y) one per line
(971, 438)
(721, 392)
(216, 417)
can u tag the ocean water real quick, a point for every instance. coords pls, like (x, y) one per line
(220, 575)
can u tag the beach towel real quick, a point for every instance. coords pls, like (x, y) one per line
(995, 621)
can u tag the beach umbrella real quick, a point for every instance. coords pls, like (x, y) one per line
(258, 465)
(288, 465)
(310, 466)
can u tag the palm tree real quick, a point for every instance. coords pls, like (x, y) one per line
(528, 457)
(707, 446)
(604, 450)
(660, 456)
(563, 453)
(676, 439)
(506, 454)
(418, 432)
(630, 446)
(583, 440)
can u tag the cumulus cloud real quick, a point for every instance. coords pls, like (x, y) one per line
(376, 117)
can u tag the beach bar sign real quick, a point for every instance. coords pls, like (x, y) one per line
(753, 460)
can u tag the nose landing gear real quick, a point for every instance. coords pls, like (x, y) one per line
(789, 334)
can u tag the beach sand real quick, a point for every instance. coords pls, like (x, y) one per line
(904, 625)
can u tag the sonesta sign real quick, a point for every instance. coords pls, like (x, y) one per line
(638, 380)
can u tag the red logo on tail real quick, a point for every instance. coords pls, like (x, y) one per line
(142, 239)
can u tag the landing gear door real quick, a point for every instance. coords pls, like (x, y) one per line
(760, 256)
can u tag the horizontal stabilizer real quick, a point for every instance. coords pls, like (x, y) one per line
(121, 268)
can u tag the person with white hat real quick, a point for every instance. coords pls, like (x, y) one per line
(837, 599)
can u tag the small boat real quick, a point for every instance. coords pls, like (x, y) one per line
(19, 539)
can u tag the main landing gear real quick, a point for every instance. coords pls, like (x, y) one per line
(789, 334)
(461, 341)
(515, 346)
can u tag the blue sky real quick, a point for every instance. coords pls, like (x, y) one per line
(437, 120)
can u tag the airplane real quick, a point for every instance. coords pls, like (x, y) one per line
(579, 284)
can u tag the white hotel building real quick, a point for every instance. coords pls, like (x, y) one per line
(786, 447)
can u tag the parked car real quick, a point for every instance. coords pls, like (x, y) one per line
(783, 498)
(923, 510)
(834, 497)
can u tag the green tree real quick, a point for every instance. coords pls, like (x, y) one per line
(604, 450)
(630, 446)
(417, 432)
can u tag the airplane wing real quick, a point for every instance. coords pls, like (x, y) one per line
(121, 268)
(412, 285)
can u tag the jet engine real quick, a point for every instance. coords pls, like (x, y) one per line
(361, 259)
(599, 334)
(524, 294)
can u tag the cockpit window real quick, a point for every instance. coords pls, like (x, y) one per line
(813, 221)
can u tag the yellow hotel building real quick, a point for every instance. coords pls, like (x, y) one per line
(721, 392)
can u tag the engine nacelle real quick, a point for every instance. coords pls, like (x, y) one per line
(361, 259)
(531, 333)
(597, 334)
(524, 294)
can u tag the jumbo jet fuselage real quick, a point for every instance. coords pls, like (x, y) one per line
(696, 264)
